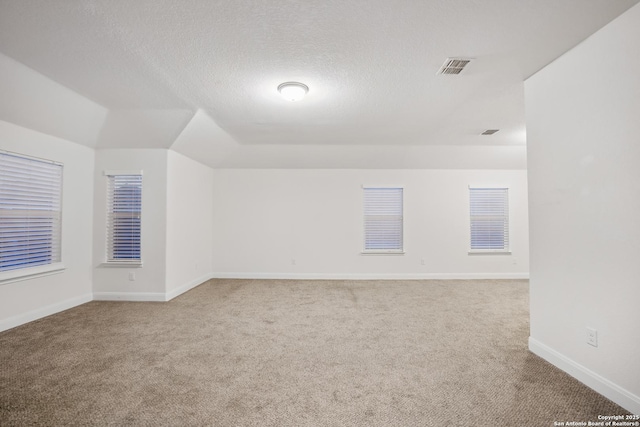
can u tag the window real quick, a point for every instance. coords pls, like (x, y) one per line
(30, 214)
(383, 228)
(489, 208)
(124, 208)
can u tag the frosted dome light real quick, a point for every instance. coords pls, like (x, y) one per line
(293, 91)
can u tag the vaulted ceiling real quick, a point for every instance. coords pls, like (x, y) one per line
(201, 76)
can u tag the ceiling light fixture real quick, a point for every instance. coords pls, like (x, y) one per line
(293, 91)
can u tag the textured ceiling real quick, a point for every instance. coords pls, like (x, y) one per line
(160, 66)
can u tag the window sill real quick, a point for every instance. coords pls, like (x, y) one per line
(31, 273)
(120, 264)
(490, 252)
(382, 253)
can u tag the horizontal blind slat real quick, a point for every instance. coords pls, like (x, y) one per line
(489, 216)
(124, 208)
(30, 212)
(383, 220)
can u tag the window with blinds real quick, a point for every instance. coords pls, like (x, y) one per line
(383, 220)
(30, 212)
(489, 208)
(124, 214)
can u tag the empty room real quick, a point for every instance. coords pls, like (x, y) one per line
(319, 213)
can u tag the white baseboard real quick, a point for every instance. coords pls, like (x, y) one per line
(368, 276)
(129, 296)
(150, 296)
(608, 389)
(39, 313)
(187, 287)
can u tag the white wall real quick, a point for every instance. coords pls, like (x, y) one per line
(30, 299)
(149, 283)
(189, 226)
(583, 122)
(264, 219)
(176, 225)
(29, 99)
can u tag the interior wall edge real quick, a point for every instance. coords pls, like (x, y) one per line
(187, 287)
(608, 389)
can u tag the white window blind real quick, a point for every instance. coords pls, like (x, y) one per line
(489, 219)
(383, 220)
(124, 213)
(30, 211)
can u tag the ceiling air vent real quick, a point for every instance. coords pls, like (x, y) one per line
(453, 65)
(489, 131)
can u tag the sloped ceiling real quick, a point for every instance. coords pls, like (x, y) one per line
(201, 76)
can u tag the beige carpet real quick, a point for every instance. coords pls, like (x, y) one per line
(292, 353)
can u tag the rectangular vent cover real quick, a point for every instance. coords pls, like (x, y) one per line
(489, 131)
(453, 65)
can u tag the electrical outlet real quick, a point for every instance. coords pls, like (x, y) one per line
(132, 276)
(293, 261)
(422, 261)
(592, 337)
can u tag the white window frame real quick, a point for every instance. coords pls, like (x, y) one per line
(496, 209)
(368, 215)
(37, 183)
(110, 259)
